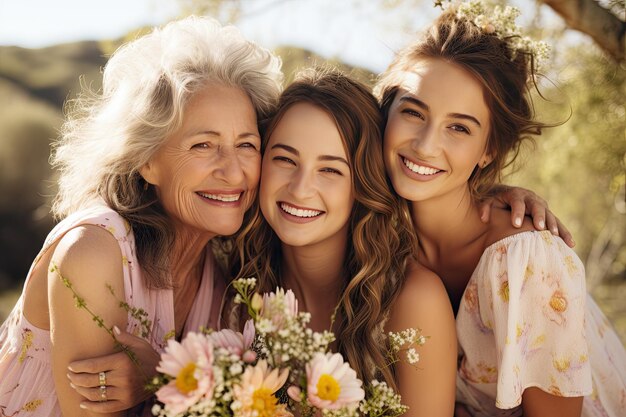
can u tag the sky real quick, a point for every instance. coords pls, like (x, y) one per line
(358, 32)
(353, 30)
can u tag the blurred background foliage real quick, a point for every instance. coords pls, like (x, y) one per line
(578, 166)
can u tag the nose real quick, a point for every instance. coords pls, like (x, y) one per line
(426, 142)
(301, 184)
(228, 167)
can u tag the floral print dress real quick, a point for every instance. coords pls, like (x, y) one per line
(26, 383)
(525, 320)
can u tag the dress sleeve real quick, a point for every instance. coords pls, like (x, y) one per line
(531, 304)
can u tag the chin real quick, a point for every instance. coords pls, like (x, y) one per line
(291, 240)
(224, 229)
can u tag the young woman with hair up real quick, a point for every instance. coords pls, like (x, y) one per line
(532, 342)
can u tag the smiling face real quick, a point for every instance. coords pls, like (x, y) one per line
(306, 188)
(207, 172)
(436, 132)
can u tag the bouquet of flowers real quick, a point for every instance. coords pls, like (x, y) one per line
(277, 366)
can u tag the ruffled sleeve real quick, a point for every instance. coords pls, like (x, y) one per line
(521, 322)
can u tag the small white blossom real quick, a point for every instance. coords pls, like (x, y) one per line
(235, 369)
(412, 356)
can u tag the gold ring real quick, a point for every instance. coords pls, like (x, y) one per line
(102, 378)
(103, 393)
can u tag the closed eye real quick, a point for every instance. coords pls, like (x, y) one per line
(413, 113)
(284, 159)
(332, 171)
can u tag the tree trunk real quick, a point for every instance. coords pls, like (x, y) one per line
(589, 17)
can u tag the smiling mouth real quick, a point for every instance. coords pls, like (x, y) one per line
(226, 198)
(419, 169)
(297, 212)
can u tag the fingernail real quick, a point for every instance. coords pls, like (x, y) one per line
(555, 231)
(117, 330)
(72, 385)
(518, 222)
(70, 368)
(83, 406)
(542, 224)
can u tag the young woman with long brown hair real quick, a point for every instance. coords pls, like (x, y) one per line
(330, 228)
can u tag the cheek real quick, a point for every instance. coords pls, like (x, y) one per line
(392, 130)
(175, 179)
(252, 169)
(265, 188)
(343, 196)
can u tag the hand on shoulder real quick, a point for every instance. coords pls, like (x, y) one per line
(500, 227)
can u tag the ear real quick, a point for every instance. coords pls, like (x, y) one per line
(149, 173)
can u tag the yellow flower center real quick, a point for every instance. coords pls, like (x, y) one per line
(264, 402)
(186, 381)
(328, 388)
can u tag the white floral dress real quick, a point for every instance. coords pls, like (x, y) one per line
(525, 320)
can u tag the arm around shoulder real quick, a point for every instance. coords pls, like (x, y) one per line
(89, 259)
(428, 387)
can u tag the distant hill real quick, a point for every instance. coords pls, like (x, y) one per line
(34, 83)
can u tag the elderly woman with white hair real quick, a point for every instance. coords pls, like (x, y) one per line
(163, 161)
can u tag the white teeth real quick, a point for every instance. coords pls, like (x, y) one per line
(299, 212)
(228, 198)
(419, 169)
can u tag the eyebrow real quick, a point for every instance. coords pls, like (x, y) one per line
(424, 106)
(295, 152)
(218, 134)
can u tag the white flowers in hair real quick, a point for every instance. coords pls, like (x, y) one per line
(500, 23)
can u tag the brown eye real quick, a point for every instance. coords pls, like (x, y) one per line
(201, 145)
(460, 128)
(248, 145)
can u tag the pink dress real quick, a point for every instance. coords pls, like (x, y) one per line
(525, 320)
(26, 383)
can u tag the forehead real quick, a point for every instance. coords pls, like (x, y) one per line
(218, 98)
(435, 77)
(310, 129)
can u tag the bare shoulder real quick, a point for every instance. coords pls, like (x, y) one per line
(88, 247)
(427, 387)
(422, 302)
(500, 227)
(422, 287)
(90, 258)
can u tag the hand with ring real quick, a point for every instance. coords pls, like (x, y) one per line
(102, 380)
(103, 387)
(114, 382)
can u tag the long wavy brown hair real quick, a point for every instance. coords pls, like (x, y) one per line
(505, 73)
(381, 237)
